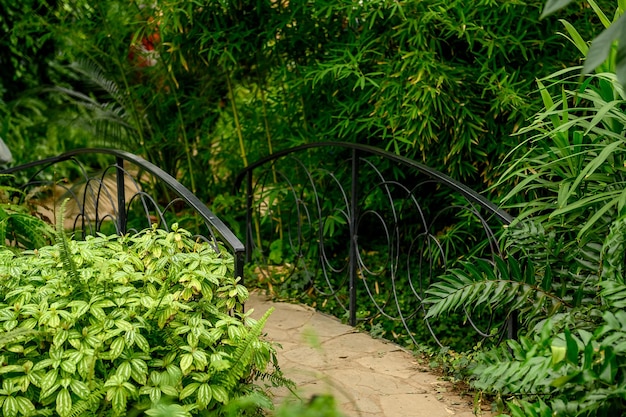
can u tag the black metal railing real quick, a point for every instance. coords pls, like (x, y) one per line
(364, 232)
(116, 191)
(353, 229)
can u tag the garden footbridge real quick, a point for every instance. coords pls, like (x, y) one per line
(349, 229)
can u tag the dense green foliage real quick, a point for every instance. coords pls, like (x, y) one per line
(20, 227)
(123, 325)
(564, 268)
(202, 88)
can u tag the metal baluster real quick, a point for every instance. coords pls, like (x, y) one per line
(121, 196)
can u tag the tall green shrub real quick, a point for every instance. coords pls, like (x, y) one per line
(564, 267)
(443, 82)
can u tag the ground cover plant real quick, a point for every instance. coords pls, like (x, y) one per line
(114, 326)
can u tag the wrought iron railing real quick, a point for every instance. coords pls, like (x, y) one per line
(364, 232)
(116, 191)
(355, 229)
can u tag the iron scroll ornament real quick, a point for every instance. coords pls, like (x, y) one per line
(358, 207)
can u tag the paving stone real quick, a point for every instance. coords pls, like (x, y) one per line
(414, 405)
(397, 363)
(368, 377)
(371, 383)
(328, 327)
(355, 345)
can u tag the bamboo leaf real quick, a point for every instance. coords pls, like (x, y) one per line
(572, 347)
(605, 20)
(576, 39)
(593, 165)
(601, 46)
(601, 115)
(553, 6)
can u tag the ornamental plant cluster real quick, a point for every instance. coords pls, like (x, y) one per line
(116, 326)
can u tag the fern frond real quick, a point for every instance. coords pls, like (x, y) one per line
(30, 231)
(277, 379)
(243, 353)
(17, 335)
(481, 284)
(95, 76)
(612, 253)
(66, 255)
(613, 293)
(81, 408)
(4, 220)
(521, 366)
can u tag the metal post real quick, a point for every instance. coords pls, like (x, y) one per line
(249, 197)
(121, 196)
(239, 264)
(353, 236)
(513, 325)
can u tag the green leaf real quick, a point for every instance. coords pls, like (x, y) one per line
(124, 371)
(10, 407)
(601, 46)
(79, 388)
(591, 167)
(189, 390)
(554, 5)
(117, 347)
(204, 396)
(220, 393)
(562, 380)
(575, 37)
(572, 348)
(68, 366)
(118, 400)
(620, 59)
(25, 406)
(139, 370)
(614, 293)
(605, 20)
(49, 379)
(558, 353)
(141, 341)
(186, 363)
(63, 402)
(608, 367)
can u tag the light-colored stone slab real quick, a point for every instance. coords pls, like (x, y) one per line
(368, 377)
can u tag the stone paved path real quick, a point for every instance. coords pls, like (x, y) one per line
(367, 376)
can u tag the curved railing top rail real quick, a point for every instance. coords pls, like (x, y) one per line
(438, 176)
(229, 238)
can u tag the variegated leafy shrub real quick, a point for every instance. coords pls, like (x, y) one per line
(116, 326)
